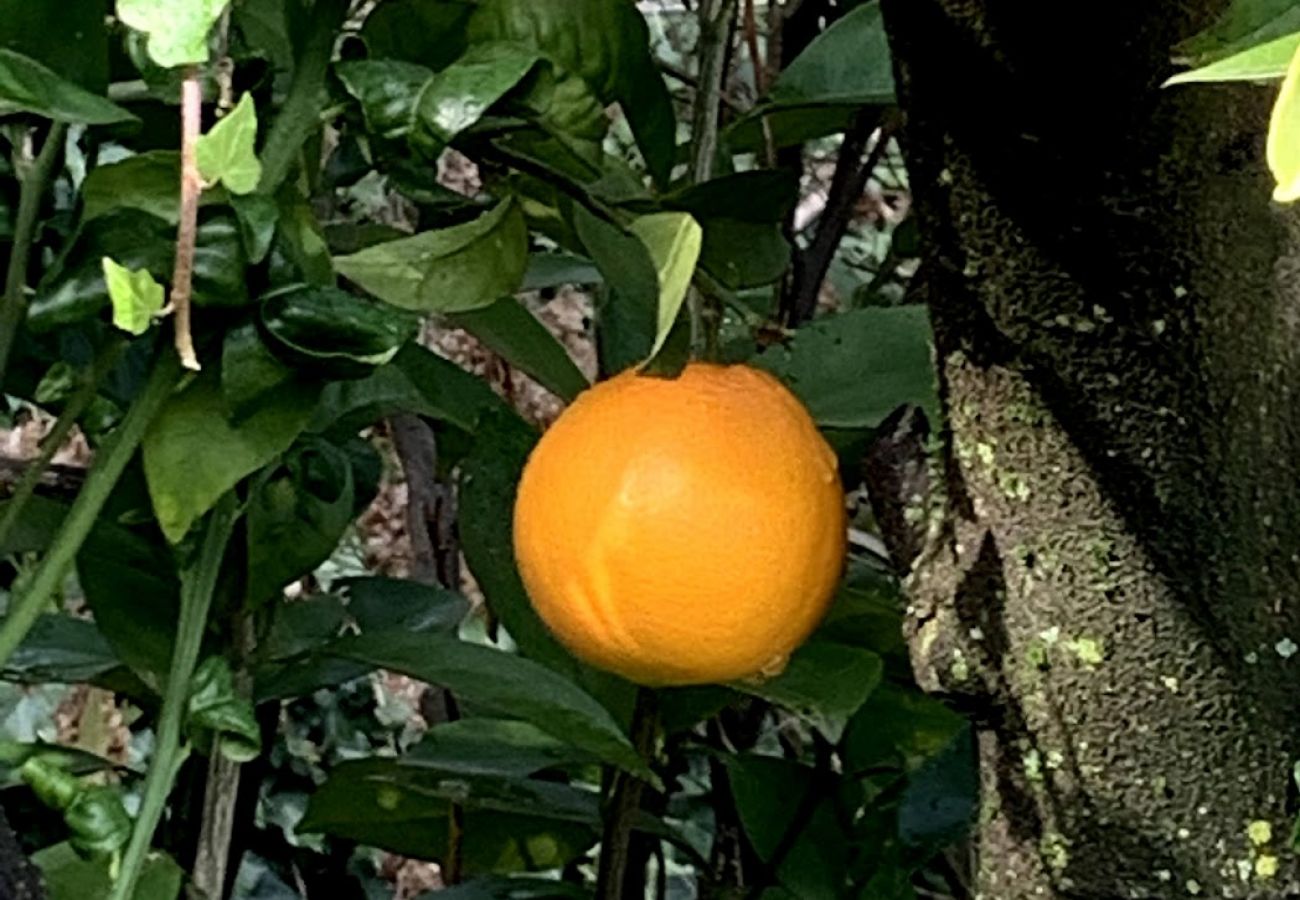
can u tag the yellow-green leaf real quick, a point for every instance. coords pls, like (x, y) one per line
(227, 153)
(177, 29)
(674, 240)
(1284, 136)
(135, 296)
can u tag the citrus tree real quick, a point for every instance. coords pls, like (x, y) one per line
(229, 229)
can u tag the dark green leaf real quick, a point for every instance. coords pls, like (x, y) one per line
(416, 381)
(389, 604)
(509, 824)
(35, 528)
(942, 796)
(1243, 25)
(899, 728)
(387, 90)
(300, 240)
(510, 889)
(744, 217)
(70, 38)
(193, 455)
(454, 269)
(553, 270)
(848, 64)
(218, 713)
(257, 215)
(458, 96)
(510, 330)
(250, 373)
(853, 369)
(500, 683)
(69, 877)
(493, 747)
(824, 681)
(147, 182)
(28, 86)
(628, 313)
(428, 32)
(296, 516)
(14, 754)
(62, 649)
(334, 333)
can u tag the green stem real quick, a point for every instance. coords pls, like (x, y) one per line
(300, 115)
(109, 463)
(198, 583)
(77, 405)
(34, 183)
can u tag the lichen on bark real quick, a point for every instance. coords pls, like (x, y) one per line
(1117, 317)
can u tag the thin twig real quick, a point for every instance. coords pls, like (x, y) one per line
(760, 78)
(677, 73)
(847, 185)
(35, 182)
(187, 231)
(715, 18)
(612, 877)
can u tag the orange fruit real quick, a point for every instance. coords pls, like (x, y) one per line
(682, 531)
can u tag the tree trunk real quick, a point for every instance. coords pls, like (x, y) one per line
(1111, 572)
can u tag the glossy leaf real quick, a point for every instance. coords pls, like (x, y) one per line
(553, 270)
(177, 29)
(824, 681)
(332, 332)
(496, 682)
(1284, 136)
(629, 312)
(296, 516)
(250, 372)
(135, 296)
(227, 153)
(829, 362)
(28, 86)
(387, 91)
(193, 455)
(218, 714)
(458, 96)
(499, 747)
(258, 215)
(454, 269)
(509, 824)
(673, 241)
(14, 754)
(510, 330)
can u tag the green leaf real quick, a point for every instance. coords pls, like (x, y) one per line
(499, 747)
(886, 349)
(898, 727)
(135, 296)
(62, 649)
(499, 683)
(217, 713)
(743, 216)
(458, 96)
(454, 269)
(193, 455)
(604, 42)
(1243, 25)
(387, 91)
(513, 889)
(296, 516)
(250, 372)
(29, 86)
(1262, 63)
(149, 182)
(429, 32)
(824, 682)
(1284, 136)
(848, 66)
(553, 270)
(14, 754)
(70, 38)
(69, 877)
(673, 241)
(509, 824)
(258, 215)
(177, 29)
(334, 333)
(227, 153)
(629, 310)
(510, 330)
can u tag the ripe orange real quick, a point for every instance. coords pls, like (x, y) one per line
(682, 531)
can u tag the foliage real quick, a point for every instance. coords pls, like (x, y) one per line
(216, 496)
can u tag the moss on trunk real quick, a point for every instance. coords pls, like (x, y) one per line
(1113, 576)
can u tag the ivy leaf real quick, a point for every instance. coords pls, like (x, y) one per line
(28, 86)
(177, 29)
(456, 269)
(1284, 136)
(674, 240)
(135, 296)
(227, 154)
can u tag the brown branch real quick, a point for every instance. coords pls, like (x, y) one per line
(187, 230)
(799, 302)
(615, 878)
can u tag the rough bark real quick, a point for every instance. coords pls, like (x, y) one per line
(1111, 570)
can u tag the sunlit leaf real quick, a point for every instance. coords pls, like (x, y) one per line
(227, 153)
(136, 297)
(177, 29)
(1284, 136)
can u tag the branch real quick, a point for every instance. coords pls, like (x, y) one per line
(612, 877)
(34, 184)
(799, 302)
(187, 231)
